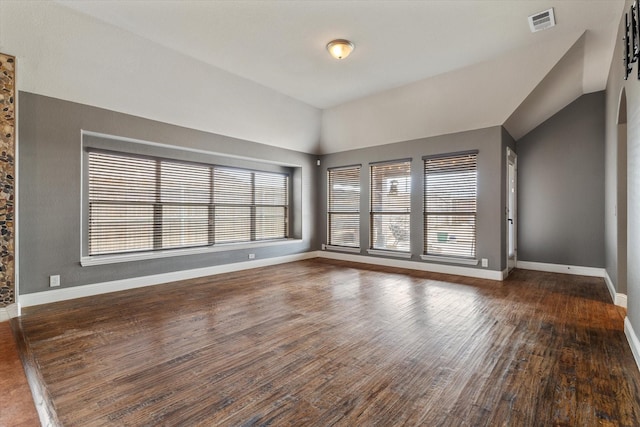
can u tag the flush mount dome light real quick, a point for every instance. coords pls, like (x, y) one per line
(340, 48)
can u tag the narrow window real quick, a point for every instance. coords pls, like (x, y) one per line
(343, 203)
(450, 205)
(391, 206)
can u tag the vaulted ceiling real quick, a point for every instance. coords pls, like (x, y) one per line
(454, 65)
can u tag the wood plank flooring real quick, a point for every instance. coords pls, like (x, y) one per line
(16, 404)
(322, 343)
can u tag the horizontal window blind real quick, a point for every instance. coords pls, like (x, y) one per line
(343, 204)
(144, 204)
(391, 206)
(185, 196)
(250, 205)
(271, 201)
(233, 200)
(450, 205)
(122, 201)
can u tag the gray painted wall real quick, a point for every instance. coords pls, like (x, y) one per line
(491, 186)
(561, 187)
(616, 178)
(49, 191)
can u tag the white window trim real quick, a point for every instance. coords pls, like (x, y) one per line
(107, 136)
(396, 254)
(87, 261)
(372, 213)
(330, 212)
(342, 249)
(450, 260)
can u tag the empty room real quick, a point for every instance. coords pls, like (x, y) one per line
(318, 212)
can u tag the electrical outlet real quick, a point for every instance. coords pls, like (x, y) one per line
(252, 256)
(324, 247)
(485, 262)
(54, 281)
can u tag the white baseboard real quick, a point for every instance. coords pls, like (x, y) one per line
(617, 298)
(9, 312)
(63, 294)
(632, 338)
(413, 265)
(560, 268)
(621, 300)
(27, 300)
(610, 287)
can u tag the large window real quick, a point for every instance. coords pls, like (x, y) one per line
(343, 203)
(145, 204)
(450, 205)
(391, 206)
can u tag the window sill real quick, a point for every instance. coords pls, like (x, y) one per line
(342, 249)
(396, 254)
(87, 261)
(450, 260)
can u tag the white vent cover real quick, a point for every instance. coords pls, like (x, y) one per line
(542, 20)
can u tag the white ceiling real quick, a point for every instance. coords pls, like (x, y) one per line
(281, 44)
(259, 71)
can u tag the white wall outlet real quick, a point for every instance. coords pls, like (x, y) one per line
(54, 281)
(252, 256)
(324, 247)
(485, 262)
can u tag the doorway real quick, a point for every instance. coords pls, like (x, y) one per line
(512, 217)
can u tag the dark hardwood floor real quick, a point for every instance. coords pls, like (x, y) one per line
(319, 343)
(16, 404)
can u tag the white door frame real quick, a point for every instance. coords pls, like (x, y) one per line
(511, 210)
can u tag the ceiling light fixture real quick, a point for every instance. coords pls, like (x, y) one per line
(340, 48)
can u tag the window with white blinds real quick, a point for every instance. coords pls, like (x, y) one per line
(343, 216)
(249, 205)
(145, 204)
(450, 204)
(391, 206)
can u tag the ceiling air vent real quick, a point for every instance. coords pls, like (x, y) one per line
(542, 20)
